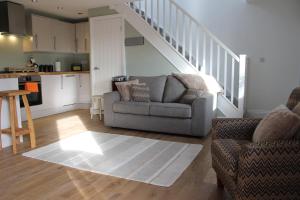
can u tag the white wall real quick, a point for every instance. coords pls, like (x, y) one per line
(266, 30)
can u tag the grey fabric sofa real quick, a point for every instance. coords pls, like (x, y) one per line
(163, 113)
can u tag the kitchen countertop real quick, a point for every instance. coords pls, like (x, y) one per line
(18, 74)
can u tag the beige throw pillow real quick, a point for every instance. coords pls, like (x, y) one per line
(297, 111)
(124, 89)
(140, 92)
(192, 81)
(280, 124)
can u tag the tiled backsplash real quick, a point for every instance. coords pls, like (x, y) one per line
(11, 54)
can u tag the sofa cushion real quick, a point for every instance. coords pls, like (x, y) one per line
(225, 154)
(175, 110)
(156, 85)
(174, 89)
(131, 107)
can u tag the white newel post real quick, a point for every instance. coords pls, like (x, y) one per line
(242, 84)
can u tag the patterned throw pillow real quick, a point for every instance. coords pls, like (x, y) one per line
(190, 96)
(140, 92)
(280, 124)
(124, 89)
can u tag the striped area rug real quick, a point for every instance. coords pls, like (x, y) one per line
(140, 159)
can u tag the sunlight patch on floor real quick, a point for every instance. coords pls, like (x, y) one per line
(81, 143)
(72, 124)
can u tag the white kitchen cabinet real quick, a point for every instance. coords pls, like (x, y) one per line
(84, 89)
(52, 91)
(83, 37)
(70, 90)
(64, 38)
(49, 35)
(42, 35)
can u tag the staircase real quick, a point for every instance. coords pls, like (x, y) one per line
(190, 47)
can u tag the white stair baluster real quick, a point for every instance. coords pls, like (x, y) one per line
(177, 29)
(183, 35)
(190, 41)
(225, 74)
(204, 53)
(232, 80)
(158, 15)
(211, 57)
(218, 62)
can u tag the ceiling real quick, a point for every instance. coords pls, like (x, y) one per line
(66, 8)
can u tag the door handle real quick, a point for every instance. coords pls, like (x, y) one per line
(96, 68)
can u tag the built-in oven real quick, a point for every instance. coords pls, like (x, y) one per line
(34, 98)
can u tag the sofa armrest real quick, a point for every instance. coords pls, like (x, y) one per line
(234, 128)
(271, 169)
(202, 114)
(109, 99)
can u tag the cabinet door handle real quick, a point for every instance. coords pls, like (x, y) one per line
(62, 82)
(36, 41)
(54, 42)
(76, 45)
(68, 76)
(96, 68)
(80, 84)
(85, 44)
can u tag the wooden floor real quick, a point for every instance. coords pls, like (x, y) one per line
(25, 178)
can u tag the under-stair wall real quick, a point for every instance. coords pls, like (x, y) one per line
(190, 47)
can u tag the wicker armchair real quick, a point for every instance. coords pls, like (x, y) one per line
(255, 171)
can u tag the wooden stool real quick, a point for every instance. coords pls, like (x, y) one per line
(14, 130)
(97, 108)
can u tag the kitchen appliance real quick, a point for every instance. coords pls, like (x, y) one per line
(76, 67)
(57, 66)
(46, 68)
(12, 18)
(35, 98)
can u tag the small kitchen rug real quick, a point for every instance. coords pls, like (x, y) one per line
(140, 159)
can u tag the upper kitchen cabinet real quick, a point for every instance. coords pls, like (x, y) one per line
(83, 37)
(49, 35)
(41, 29)
(64, 38)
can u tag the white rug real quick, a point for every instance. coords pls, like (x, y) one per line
(150, 161)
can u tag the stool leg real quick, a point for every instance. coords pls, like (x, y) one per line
(0, 123)
(100, 108)
(12, 123)
(16, 119)
(30, 122)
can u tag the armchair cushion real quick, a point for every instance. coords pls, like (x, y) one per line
(225, 154)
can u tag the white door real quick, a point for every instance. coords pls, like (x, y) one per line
(107, 52)
(84, 90)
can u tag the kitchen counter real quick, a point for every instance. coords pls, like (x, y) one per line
(18, 74)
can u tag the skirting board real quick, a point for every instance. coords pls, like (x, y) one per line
(52, 111)
(256, 113)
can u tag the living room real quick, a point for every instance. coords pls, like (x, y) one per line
(149, 99)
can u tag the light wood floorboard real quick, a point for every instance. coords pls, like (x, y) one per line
(30, 179)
